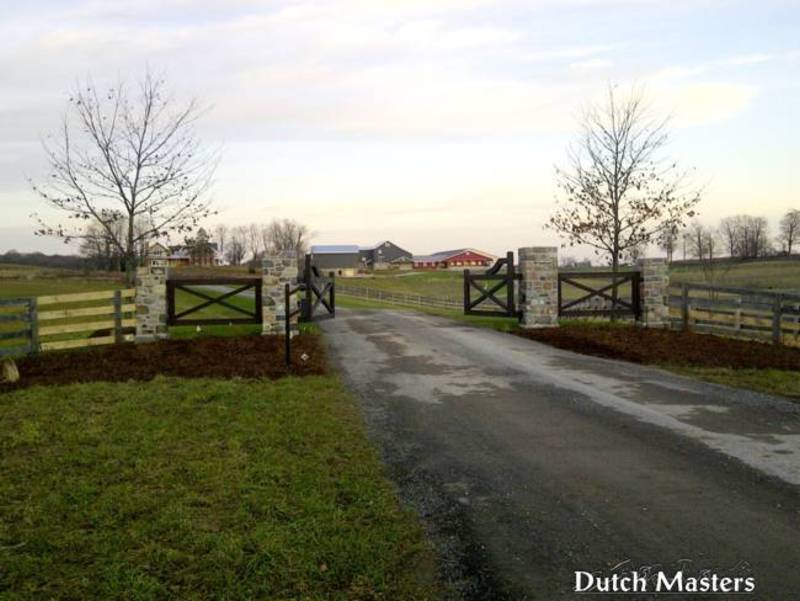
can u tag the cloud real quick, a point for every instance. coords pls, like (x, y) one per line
(701, 103)
(593, 64)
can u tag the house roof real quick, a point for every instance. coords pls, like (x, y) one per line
(443, 255)
(374, 246)
(334, 249)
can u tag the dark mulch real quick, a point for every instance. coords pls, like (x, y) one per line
(666, 347)
(203, 357)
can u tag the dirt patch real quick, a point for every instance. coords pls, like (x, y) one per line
(205, 357)
(666, 347)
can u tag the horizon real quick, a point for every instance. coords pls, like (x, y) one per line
(432, 124)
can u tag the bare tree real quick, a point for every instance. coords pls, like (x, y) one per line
(618, 192)
(254, 243)
(287, 234)
(99, 248)
(667, 241)
(704, 246)
(730, 232)
(789, 230)
(754, 237)
(221, 235)
(237, 245)
(127, 156)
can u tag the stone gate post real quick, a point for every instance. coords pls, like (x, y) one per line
(539, 287)
(151, 301)
(653, 287)
(278, 270)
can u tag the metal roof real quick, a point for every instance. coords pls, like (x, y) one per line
(334, 249)
(443, 255)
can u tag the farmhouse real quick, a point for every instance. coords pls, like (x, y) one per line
(385, 255)
(455, 259)
(336, 259)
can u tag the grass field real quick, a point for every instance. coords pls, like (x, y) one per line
(199, 489)
(774, 275)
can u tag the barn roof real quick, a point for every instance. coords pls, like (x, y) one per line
(443, 255)
(334, 249)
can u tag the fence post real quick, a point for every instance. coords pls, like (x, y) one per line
(685, 305)
(151, 301)
(654, 280)
(332, 297)
(277, 271)
(777, 310)
(539, 267)
(118, 317)
(33, 315)
(287, 330)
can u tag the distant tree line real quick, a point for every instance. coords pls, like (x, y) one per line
(737, 237)
(247, 244)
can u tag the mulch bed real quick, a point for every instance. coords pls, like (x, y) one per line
(667, 347)
(203, 357)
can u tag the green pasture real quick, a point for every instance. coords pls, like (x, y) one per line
(199, 489)
(772, 275)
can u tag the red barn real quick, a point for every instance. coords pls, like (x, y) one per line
(455, 259)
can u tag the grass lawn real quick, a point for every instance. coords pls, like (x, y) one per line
(503, 324)
(22, 288)
(437, 284)
(778, 275)
(772, 381)
(181, 488)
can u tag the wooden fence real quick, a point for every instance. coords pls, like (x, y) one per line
(414, 300)
(65, 321)
(740, 312)
(17, 326)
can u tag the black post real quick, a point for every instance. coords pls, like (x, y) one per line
(636, 295)
(510, 282)
(259, 309)
(466, 291)
(777, 309)
(33, 315)
(307, 309)
(333, 295)
(170, 302)
(287, 326)
(685, 305)
(558, 287)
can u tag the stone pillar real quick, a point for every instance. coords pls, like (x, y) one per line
(653, 287)
(278, 270)
(539, 286)
(151, 301)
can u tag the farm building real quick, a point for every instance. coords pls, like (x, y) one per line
(385, 255)
(337, 259)
(455, 259)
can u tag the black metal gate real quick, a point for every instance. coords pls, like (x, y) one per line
(320, 293)
(494, 288)
(242, 313)
(595, 299)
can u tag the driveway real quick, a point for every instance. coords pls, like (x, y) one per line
(528, 463)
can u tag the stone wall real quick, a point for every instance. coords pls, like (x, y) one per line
(539, 288)
(151, 301)
(278, 270)
(653, 291)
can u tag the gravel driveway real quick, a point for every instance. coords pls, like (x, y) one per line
(529, 463)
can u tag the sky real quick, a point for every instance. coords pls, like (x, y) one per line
(433, 123)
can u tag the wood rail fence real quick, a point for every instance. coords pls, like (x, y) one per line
(414, 300)
(65, 321)
(740, 312)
